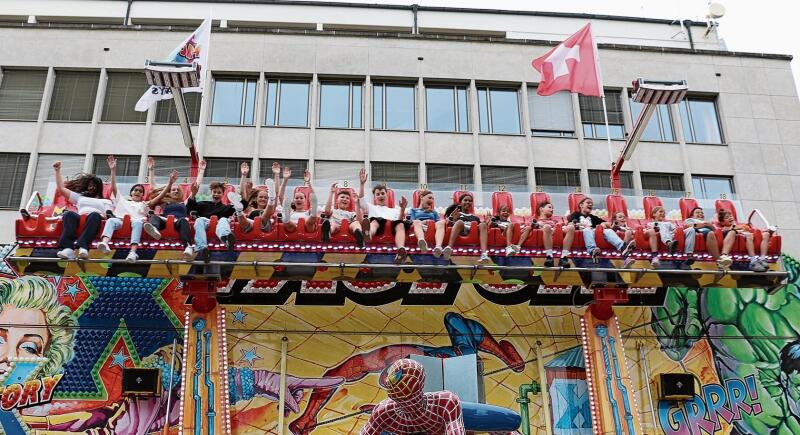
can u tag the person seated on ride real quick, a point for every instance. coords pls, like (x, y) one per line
(620, 225)
(729, 231)
(377, 214)
(86, 192)
(259, 202)
(546, 222)
(696, 224)
(585, 221)
(300, 207)
(661, 226)
(172, 203)
(423, 216)
(204, 210)
(336, 215)
(134, 206)
(461, 216)
(502, 222)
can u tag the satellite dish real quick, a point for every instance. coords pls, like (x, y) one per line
(716, 10)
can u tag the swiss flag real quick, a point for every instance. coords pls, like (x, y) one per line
(571, 65)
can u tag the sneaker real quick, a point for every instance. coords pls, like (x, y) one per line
(188, 253)
(359, 238)
(756, 266)
(655, 261)
(484, 258)
(563, 262)
(132, 257)
(229, 241)
(517, 249)
(510, 251)
(548, 261)
(326, 231)
(151, 231)
(595, 255)
(104, 248)
(402, 253)
(764, 263)
(25, 214)
(627, 263)
(365, 228)
(672, 246)
(66, 254)
(236, 201)
(83, 253)
(628, 249)
(204, 255)
(109, 214)
(447, 252)
(437, 251)
(724, 262)
(422, 245)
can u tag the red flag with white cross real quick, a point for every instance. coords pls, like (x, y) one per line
(571, 66)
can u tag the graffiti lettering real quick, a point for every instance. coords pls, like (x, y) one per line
(702, 414)
(31, 393)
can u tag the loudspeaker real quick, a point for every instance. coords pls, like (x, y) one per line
(676, 386)
(141, 382)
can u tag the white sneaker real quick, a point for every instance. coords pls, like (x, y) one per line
(83, 253)
(422, 245)
(447, 252)
(484, 258)
(104, 248)
(132, 257)
(510, 252)
(66, 254)
(236, 201)
(655, 261)
(517, 249)
(724, 262)
(437, 251)
(152, 231)
(188, 253)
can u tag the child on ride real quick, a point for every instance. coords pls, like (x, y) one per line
(729, 231)
(337, 215)
(663, 227)
(259, 202)
(377, 214)
(461, 217)
(134, 206)
(585, 221)
(696, 224)
(620, 225)
(503, 222)
(299, 207)
(204, 210)
(421, 217)
(546, 222)
(86, 192)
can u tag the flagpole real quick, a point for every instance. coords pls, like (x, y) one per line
(608, 132)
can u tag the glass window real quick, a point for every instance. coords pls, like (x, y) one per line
(21, 94)
(600, 182)
(446, 108)
(166, 113)
(450, 177)
(13, 169)
(660, 184)
(504, 178)
(393, 172)
(297, 167)
(224, 169)
(700, 121)
(165, 165)
(659, 128)
(708, 187)
(123, 90)
(558, 180)
(393, 107)
(44, 180)
(340, 104)
(593, 120)
(327, 172)
(287, 103)
(73, 97)
(551, 115)
(234, 101)
(498, 110)
(127, 167)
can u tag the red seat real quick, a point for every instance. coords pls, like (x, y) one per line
(616, 204)
(457, 194)
(415, 199)
(499, 199)
(389, 198)
(726, 204)
(353, 197)
(649, 203)
(536, 199)
(573, 199)
(687, 205)
(228, 188)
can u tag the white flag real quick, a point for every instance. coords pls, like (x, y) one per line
(194, 48)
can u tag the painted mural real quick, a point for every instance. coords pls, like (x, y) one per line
(64, 342)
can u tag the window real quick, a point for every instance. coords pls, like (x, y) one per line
(659, 184)
(700, 121)
(392, 172)
(165, 165)
(13, 169)
(455, 175)
(44, 180)
(446, 108)
(330, 171)
(21, 94)
(166, 113)
(708, 187)
(224, 169)
(393, 107)
(659, 128)
(287, 103)
(73, 97)
(340, 104)
(234, 101)
(297, 167)
(600, 182)
(558, 180)
(123, 90)
(127, 167)
(504, 178)
(498, 110)
(551, 115)
(594, 124)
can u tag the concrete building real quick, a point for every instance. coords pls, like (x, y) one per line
(418, 95)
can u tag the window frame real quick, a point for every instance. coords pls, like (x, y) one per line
(660, 122)
(110, 77)
(93, 98)
(99, 161)
(243, 101)
(375, 178)
(703, 178)
(383, 86)
(672, 177)
(350, 117)
(486, 169)
(626, 181)
(14, 191)
(456, 109)
(593, 125)
(169, 102)
(265, 168)
(278, 91)
(489, 117)
(542, 132)
(567, 172)
(469, 181)
(691, 129)
(26, 71)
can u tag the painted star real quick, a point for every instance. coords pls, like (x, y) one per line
(119, 359)
(72, 290)
(249, 356)
(239, 315)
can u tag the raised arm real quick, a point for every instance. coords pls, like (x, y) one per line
(112, 165)
(331, 195)
(403, 205)
(173, 176)
(287, 172)
(151, 172)
(244, 168)
(362, 178)
(201, 169)
(60, 181)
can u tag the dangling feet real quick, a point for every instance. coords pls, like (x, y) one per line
(326, 231)
(402, 253)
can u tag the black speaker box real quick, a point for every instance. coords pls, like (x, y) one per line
(141, 382)
(676, 386)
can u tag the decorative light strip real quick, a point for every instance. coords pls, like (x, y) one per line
(587, 360)
(183, 368)
(223, 351)
(628, 367)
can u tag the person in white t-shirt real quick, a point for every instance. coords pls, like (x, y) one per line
(377, 213)
(134, 206)
(300, 207)
(340, 213)
(86, 192)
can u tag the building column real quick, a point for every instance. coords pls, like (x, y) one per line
(98, 111)
(527, 128)
(421, 124)
(628, 118)
(366, 120)
(687, 165)
(145, 151)
(255, 164)
(205, 109)
(33, 161)
(576, 116)
(312, 123)
(474, 120)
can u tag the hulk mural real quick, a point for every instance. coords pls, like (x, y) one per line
(755, 342)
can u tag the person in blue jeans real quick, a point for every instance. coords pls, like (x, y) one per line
(585, 221)
(423, 216)
(205, 209)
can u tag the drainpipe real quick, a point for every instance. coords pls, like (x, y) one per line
(127, 13)
(414, 11)
(687, 24)
(524, 390)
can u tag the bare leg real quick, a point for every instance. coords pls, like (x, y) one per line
(440, 227)
(526, 231)
(373, 228)
(290, 227)
(569, 236)
(244, 223)
(628, 236)
(547, 235)
(765, 236)
(509, 231)
(354, 226)
(311, 224)
(748, 241)
(652, 237)
(711, 244)
(455, 231)
(483, 231)
(417, 226)
(399, 235)
(727, 243)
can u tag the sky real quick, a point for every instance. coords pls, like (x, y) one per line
(763, 26)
